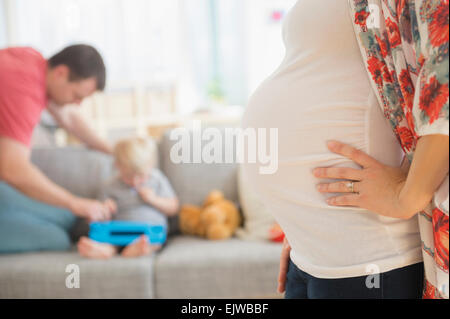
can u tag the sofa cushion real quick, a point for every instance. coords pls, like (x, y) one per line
(43, 275)
(189, 267)
(78, 170)
(193, 182)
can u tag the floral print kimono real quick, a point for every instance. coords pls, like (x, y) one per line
(405, 46)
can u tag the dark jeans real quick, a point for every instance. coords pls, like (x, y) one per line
(402, 283)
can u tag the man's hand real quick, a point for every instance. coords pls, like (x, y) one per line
(284, 266)
(92, 210)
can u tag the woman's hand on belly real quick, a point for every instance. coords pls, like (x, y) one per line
(376, 187)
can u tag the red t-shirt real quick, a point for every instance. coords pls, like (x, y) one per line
(23, 93)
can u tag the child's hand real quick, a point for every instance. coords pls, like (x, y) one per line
(147, 194)
(92, 210)
(111, 206)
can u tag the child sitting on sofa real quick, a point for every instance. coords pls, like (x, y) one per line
(140, 193)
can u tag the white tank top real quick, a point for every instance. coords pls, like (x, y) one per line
(320, 92)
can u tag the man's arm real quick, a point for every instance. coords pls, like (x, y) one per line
(71, 119)
(17, 171)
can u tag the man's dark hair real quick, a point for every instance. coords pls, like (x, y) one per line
(84, 62)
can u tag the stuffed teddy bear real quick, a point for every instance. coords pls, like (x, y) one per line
(218, 219)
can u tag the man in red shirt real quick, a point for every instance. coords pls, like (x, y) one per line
(28, 83)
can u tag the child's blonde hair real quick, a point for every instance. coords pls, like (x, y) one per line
(136, 154)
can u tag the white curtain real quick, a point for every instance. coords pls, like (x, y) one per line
(3, 39)
(138, 38)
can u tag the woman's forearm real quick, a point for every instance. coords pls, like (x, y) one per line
(429, 168)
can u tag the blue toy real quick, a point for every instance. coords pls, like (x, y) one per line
(122, 233)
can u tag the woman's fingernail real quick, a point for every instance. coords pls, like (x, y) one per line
(332, 144)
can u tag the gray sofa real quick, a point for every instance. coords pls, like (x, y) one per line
(187, 267)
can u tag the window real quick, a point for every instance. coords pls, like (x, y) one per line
(3, 40)
(138, 38)
(213, 51)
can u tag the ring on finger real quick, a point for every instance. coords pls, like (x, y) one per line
(351, 186)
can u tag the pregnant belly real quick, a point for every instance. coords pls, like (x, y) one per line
(306, 118)
(305, 122)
